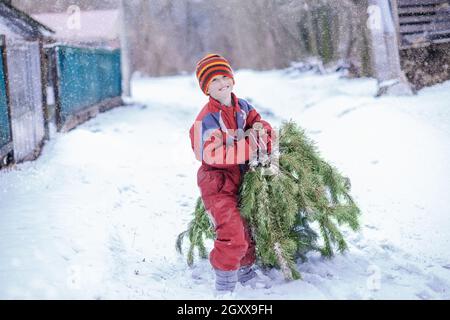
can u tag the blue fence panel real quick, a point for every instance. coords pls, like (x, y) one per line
(5, 132)
(86, 77)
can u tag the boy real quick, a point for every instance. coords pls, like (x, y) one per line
(219, 142)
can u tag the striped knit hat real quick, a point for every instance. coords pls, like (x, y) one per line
(210, 66)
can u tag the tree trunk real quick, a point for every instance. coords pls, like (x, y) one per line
(125, 50)
(385, 51)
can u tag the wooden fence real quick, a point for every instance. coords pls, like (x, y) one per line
(85, 81)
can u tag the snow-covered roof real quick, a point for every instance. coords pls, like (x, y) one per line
(86, 27)
(15, 22)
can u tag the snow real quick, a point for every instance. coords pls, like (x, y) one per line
(97, 215)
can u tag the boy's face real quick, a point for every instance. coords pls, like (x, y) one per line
(220, 87)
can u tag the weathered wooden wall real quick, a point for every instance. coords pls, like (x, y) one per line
(25, 98)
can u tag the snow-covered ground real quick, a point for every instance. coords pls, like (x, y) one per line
(97, 215)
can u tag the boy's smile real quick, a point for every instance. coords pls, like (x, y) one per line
(220, 88)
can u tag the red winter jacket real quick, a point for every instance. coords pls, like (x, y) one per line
(218, 133)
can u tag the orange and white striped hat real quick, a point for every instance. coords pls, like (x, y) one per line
(210, 66)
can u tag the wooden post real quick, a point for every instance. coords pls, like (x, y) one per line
(385, 50)
(56, 74)
(44, 83)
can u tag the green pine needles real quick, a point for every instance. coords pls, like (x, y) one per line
(199, 229)
(299, 208)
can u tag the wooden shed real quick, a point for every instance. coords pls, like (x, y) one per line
(421, 22)
(410, 43)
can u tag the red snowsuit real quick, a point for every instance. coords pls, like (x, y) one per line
(219, 180)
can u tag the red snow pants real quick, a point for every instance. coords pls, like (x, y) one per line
(233, 245)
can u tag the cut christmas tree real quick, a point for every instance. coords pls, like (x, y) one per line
(297, 205)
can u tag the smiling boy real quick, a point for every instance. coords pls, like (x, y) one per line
(220, 140)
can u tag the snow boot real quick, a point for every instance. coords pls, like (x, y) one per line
(226, 280)
(245, 274)
(248, 277)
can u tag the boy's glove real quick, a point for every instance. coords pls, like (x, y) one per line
(264, 160)
(261, 155)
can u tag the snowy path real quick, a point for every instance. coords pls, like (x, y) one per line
(96, 216)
